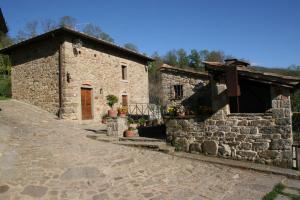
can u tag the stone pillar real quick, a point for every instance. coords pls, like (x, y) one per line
(281, 109)
(116, 126)
(220, 105)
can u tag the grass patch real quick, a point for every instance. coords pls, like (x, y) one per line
(273, 194)
(278, 189)
(4, 98)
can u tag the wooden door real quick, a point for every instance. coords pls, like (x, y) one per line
(86, 103)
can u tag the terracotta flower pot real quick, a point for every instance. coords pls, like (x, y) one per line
(122, 114)
(112, 113)
(103, 121)
(129, 133)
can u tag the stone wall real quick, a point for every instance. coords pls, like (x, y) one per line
(259, 137)
(196, 89)
(117, 126)
(100, 69)
(34, 75)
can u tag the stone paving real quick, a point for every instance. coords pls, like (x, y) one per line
(45, 158)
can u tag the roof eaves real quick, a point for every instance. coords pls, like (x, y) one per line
(80, 34)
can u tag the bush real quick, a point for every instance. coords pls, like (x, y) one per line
(111, 100)
(5, 87)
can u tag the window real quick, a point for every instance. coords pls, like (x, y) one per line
(124, 100)
(178, 89)
(124, 73)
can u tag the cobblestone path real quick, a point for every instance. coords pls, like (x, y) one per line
(45, 158)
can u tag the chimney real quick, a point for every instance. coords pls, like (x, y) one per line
(236, 62)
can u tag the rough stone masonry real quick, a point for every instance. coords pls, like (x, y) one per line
(79, 62)
(260, 137)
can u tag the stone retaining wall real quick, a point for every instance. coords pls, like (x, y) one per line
(116, 126)
(260, 137)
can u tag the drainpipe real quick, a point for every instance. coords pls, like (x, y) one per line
(60, 79)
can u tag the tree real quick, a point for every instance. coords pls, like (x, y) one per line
(195, 59)
(131, 47)
(154, 78)
(295, 100)
(183, 60)
(203, 54)
(68, 21)
(215, 56)
(5, 67)
(49, 25)
(21, 36)
(30, 30)
(171, 58)
(92, 30)
(158, 62)
(106, 37)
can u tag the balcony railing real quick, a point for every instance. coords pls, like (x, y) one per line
(144, 110)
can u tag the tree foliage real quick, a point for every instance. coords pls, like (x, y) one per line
(49, 25)
(106, 37)
(195, 59)
(182, 57)
(131, 47)
(171, 58)
(5, 67)
(92, 30)
(68, 21)
(214, 56)
(30, 30)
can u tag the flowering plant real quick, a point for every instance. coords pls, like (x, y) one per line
(123, 109)
(172, 110)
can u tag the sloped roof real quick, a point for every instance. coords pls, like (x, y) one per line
(184, 70)
(254, 75)
(3, 26)
(66, 30)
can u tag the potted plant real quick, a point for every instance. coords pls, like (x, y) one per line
(130, 132)
(122, 111)
(142, 122)
(111, 101)
(181, 111)
(104, 119)
(172, 111)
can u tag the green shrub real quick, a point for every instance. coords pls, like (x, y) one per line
(111, 100)
(5, 87)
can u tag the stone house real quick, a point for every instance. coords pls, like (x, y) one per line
(3, 27)
(254, 125)
(70, 73)
(184, 86)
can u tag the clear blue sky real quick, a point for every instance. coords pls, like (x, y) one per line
(265, 32)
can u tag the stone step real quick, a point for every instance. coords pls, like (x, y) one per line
(167, 149)
(140, 142)
(157, 146)
(102, 138)
(140, 139)
(147, 145)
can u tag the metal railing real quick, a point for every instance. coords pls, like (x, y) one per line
(143, 109)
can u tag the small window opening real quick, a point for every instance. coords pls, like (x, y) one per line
(124, 72)
(178, 89)
(124, 100)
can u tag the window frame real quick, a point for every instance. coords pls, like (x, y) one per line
(124, 74)
(178, 91)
